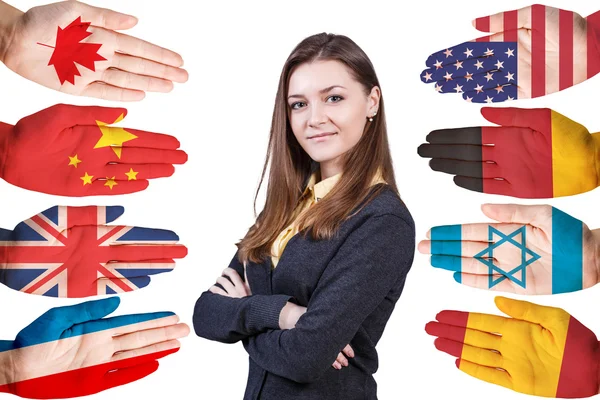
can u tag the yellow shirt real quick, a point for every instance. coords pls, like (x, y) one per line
(314, 192)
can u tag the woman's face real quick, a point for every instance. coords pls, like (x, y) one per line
(323, 98)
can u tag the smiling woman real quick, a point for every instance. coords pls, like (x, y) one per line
(317, 276)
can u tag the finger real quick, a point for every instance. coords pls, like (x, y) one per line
(470, 353)
(229, 288)
(472, 169)
(538, 119)
(348, 351)
(145, 67)
(479, 232)
(133, 172)
(342, 360)
(459, 334)
(141, 339)
(487, 374)
(128, 80)
(497, 94)
(337, 365)
(103, 17)
(466, 265)
(121, 285)
(507, 20)
(531, 312)
(123, 376)
(108, 186)
(463, 152)
(67, 321)
(155, 348)
(536, 215)
(128, 323)
(474, 68)
(476, 135)
(495, 281)
(455, 248)
(142, 268)
(124, 253)
(218, 290)
(136, 155)
(146, 139)
(488, 185)
(140, 48)
(234, 276)
(105, 91)
(63, 116)
(481, 322)
(138, 236)
(467, 52)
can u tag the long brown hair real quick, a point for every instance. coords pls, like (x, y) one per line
(291, 166)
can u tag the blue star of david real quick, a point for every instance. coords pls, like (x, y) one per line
(487, 257)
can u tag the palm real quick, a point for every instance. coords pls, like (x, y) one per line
(131, 66)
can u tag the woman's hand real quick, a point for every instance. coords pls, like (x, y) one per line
(291, 313)
(234, 288)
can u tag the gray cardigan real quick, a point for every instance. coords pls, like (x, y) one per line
(349, 285)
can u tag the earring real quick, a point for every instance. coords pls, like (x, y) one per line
(371, 118)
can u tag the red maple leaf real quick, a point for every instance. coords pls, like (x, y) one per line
(69, 51)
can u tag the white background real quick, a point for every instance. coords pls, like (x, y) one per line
(234, 52)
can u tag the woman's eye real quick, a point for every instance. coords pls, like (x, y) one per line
(295, 105)
(335, 97)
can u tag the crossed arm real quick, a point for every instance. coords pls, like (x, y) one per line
(354, 283)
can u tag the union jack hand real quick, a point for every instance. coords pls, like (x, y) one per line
(531, 52)
(71, 252)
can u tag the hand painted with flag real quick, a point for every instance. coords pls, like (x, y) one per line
(74, 351)
(72, 252)
(531, 52)
(537, 350)
(73, 151)
(531, 250)
(75, 48)
(533, 153)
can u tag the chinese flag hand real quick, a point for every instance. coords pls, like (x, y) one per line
(75, 48)
(533, 153)
(532, 52)
(73, 151)
(539, 350)
(532, 249)
(72, 252)
(74, 351)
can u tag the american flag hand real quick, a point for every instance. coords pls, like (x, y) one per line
(531, 52)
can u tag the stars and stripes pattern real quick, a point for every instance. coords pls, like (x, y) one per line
(533, 51)
(481, 72)
(45, 255)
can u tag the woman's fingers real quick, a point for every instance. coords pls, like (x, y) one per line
(342, 360)
(348, 351)
(235, 279)
(140, 48)
(145, 67)
(227, 285)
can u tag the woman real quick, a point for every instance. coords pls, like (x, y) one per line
(310, 316)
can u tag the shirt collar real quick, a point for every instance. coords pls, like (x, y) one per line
(321, 188)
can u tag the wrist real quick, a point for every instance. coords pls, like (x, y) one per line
(8, 18)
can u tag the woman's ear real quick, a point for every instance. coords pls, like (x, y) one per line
(373, 101)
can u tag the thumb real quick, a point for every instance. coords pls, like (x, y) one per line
(63, 116)
(539, 119)
(104, 17)
(53, 323)
(531, 312)
(536, 215)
